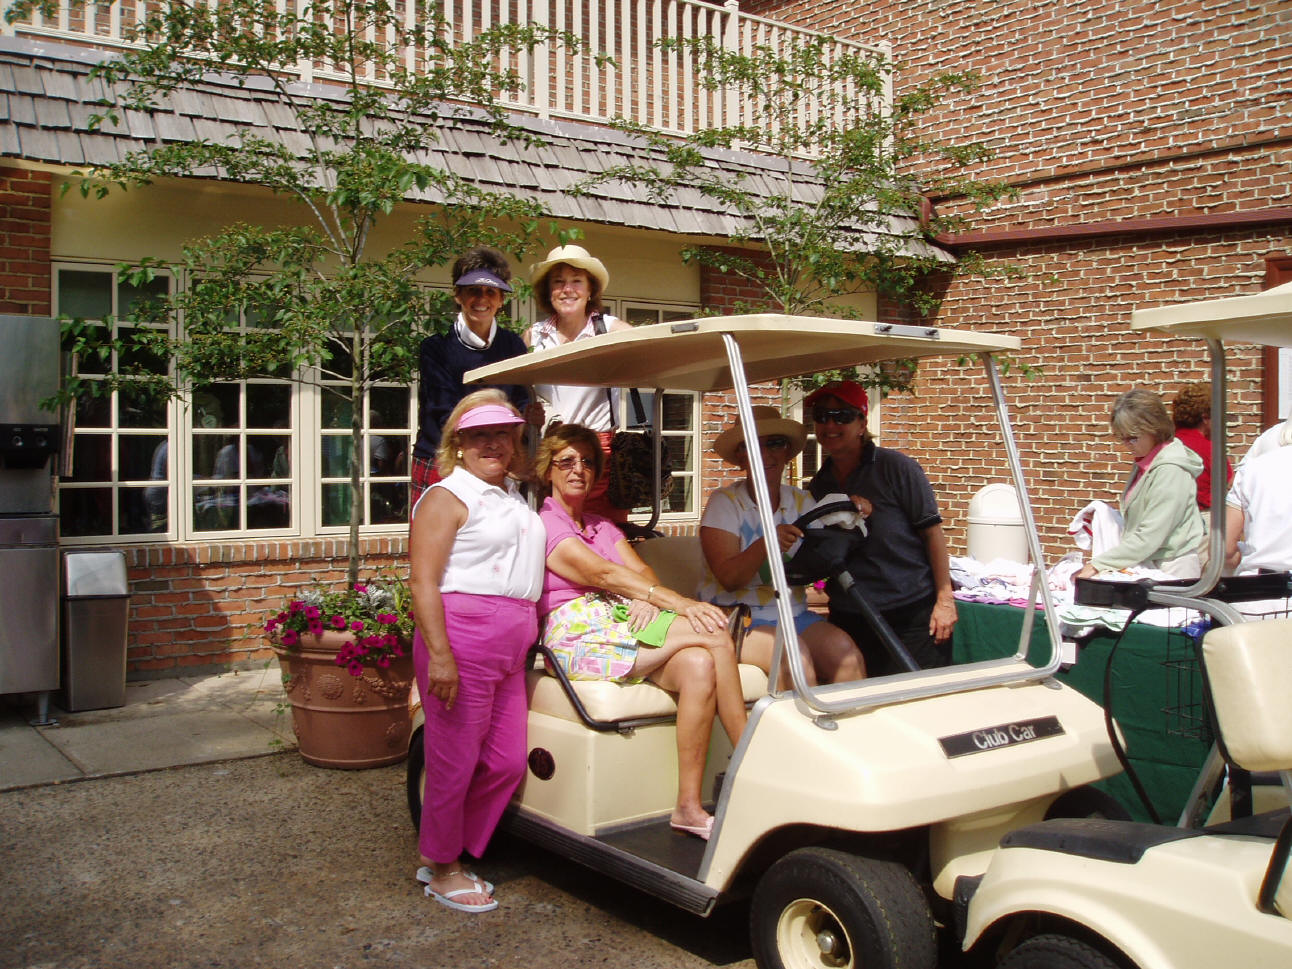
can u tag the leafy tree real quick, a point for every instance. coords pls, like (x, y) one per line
(842, 208)
(322, 300)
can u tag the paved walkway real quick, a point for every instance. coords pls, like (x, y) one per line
(164, 723)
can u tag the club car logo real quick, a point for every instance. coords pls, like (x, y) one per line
(1004, 735)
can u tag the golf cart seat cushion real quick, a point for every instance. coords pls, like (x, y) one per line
(677, 560)
(613, 702)
(1249, 671)
(1121, 842)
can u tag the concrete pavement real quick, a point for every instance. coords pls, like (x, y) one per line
(165, 723)
(159, 835)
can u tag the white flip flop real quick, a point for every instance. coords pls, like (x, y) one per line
(424, 876)
(447, 899)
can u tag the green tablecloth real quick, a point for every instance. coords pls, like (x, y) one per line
(1156, 696)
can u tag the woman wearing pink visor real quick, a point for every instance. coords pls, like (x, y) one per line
(476, 553)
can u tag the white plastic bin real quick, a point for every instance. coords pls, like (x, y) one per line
(996, 529)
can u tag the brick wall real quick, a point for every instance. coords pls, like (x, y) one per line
(202, 608)
(24, 242)
(1164, 116)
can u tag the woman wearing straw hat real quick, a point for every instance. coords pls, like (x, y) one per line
(735, 553)
(567, 287)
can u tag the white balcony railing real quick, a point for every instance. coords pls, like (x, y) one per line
(619, 71)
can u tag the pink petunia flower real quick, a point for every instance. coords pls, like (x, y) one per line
(291, 637)
(338, 622)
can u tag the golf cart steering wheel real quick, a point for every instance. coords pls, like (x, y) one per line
(824, 553)
(820, 511)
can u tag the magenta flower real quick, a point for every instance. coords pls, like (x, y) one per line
(360, 587)
(296, 605)
(356, 669)
(384, 662)
(311, 612)
(271, 625)
(291, 637)
(357, 625)
(316, 628)
(338, 622)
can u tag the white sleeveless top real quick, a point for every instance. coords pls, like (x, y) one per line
(500, 549)
(589, 406)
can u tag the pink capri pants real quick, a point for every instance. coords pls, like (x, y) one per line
(475, 753)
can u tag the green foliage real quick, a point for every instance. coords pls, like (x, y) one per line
(818, 224)
(313, 294)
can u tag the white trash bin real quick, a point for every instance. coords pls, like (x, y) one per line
(996, 525)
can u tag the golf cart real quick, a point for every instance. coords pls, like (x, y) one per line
(1214, 888)
(847, 812)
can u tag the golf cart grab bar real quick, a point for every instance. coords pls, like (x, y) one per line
(924, 683)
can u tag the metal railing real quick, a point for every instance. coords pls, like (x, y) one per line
(618, 70)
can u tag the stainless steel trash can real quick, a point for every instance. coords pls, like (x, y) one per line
(96, 607)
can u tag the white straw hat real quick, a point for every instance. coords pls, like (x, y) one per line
(575, 256)
(769, 423)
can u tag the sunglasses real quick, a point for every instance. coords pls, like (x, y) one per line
(839, 415)
(570, 463)
(777, 443)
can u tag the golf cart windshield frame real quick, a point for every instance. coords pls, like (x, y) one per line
(728, 353)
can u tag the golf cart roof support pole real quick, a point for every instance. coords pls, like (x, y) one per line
(1216, 539)
(657, 446)
(1029, 523)
(762, 498)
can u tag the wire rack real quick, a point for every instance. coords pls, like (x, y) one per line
(1185, 713)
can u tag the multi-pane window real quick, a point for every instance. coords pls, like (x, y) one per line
(681, 417)
(122, 477)
(387, 414)
(272, 455)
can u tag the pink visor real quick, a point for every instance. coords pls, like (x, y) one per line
(486, 415)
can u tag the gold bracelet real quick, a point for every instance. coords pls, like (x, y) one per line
(650, 592)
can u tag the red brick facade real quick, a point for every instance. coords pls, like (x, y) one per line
(24, 242)
(1150, 153)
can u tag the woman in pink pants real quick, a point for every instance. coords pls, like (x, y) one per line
(477, 570)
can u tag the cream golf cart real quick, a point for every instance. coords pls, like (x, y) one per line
(847, 812)
(1077, 894)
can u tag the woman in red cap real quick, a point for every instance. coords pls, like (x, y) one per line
(902, 567)
(477, 571)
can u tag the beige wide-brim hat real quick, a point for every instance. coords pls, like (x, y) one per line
(575, 256)
(769, 422)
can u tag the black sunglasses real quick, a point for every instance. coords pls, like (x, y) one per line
(777, 443)
(839, 415)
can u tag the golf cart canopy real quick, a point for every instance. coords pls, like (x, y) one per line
(1261, 318)
(692, 355)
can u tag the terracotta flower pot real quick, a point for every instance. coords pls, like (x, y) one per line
(341, 720)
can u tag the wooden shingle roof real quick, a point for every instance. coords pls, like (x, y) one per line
(47, 98)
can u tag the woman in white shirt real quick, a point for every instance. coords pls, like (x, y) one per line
(476, 554)
(567, 287)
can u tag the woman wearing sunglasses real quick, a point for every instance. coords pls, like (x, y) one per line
(735, 553)
(902, 567)
(605, 616)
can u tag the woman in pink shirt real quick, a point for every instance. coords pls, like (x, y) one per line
(606, 616)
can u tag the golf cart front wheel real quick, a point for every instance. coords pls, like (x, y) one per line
(818, 908)
(1056, 952)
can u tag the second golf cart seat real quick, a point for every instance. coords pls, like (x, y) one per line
(1248, 670)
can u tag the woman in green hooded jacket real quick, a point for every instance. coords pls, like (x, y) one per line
(1163, 528)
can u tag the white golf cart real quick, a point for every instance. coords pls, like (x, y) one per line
(1213, 889)
(847, 811)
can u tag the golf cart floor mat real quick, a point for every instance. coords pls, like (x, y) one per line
(649, 856)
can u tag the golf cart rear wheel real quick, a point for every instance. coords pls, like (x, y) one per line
(1056, 952)
(416, 781)
(818, 908)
